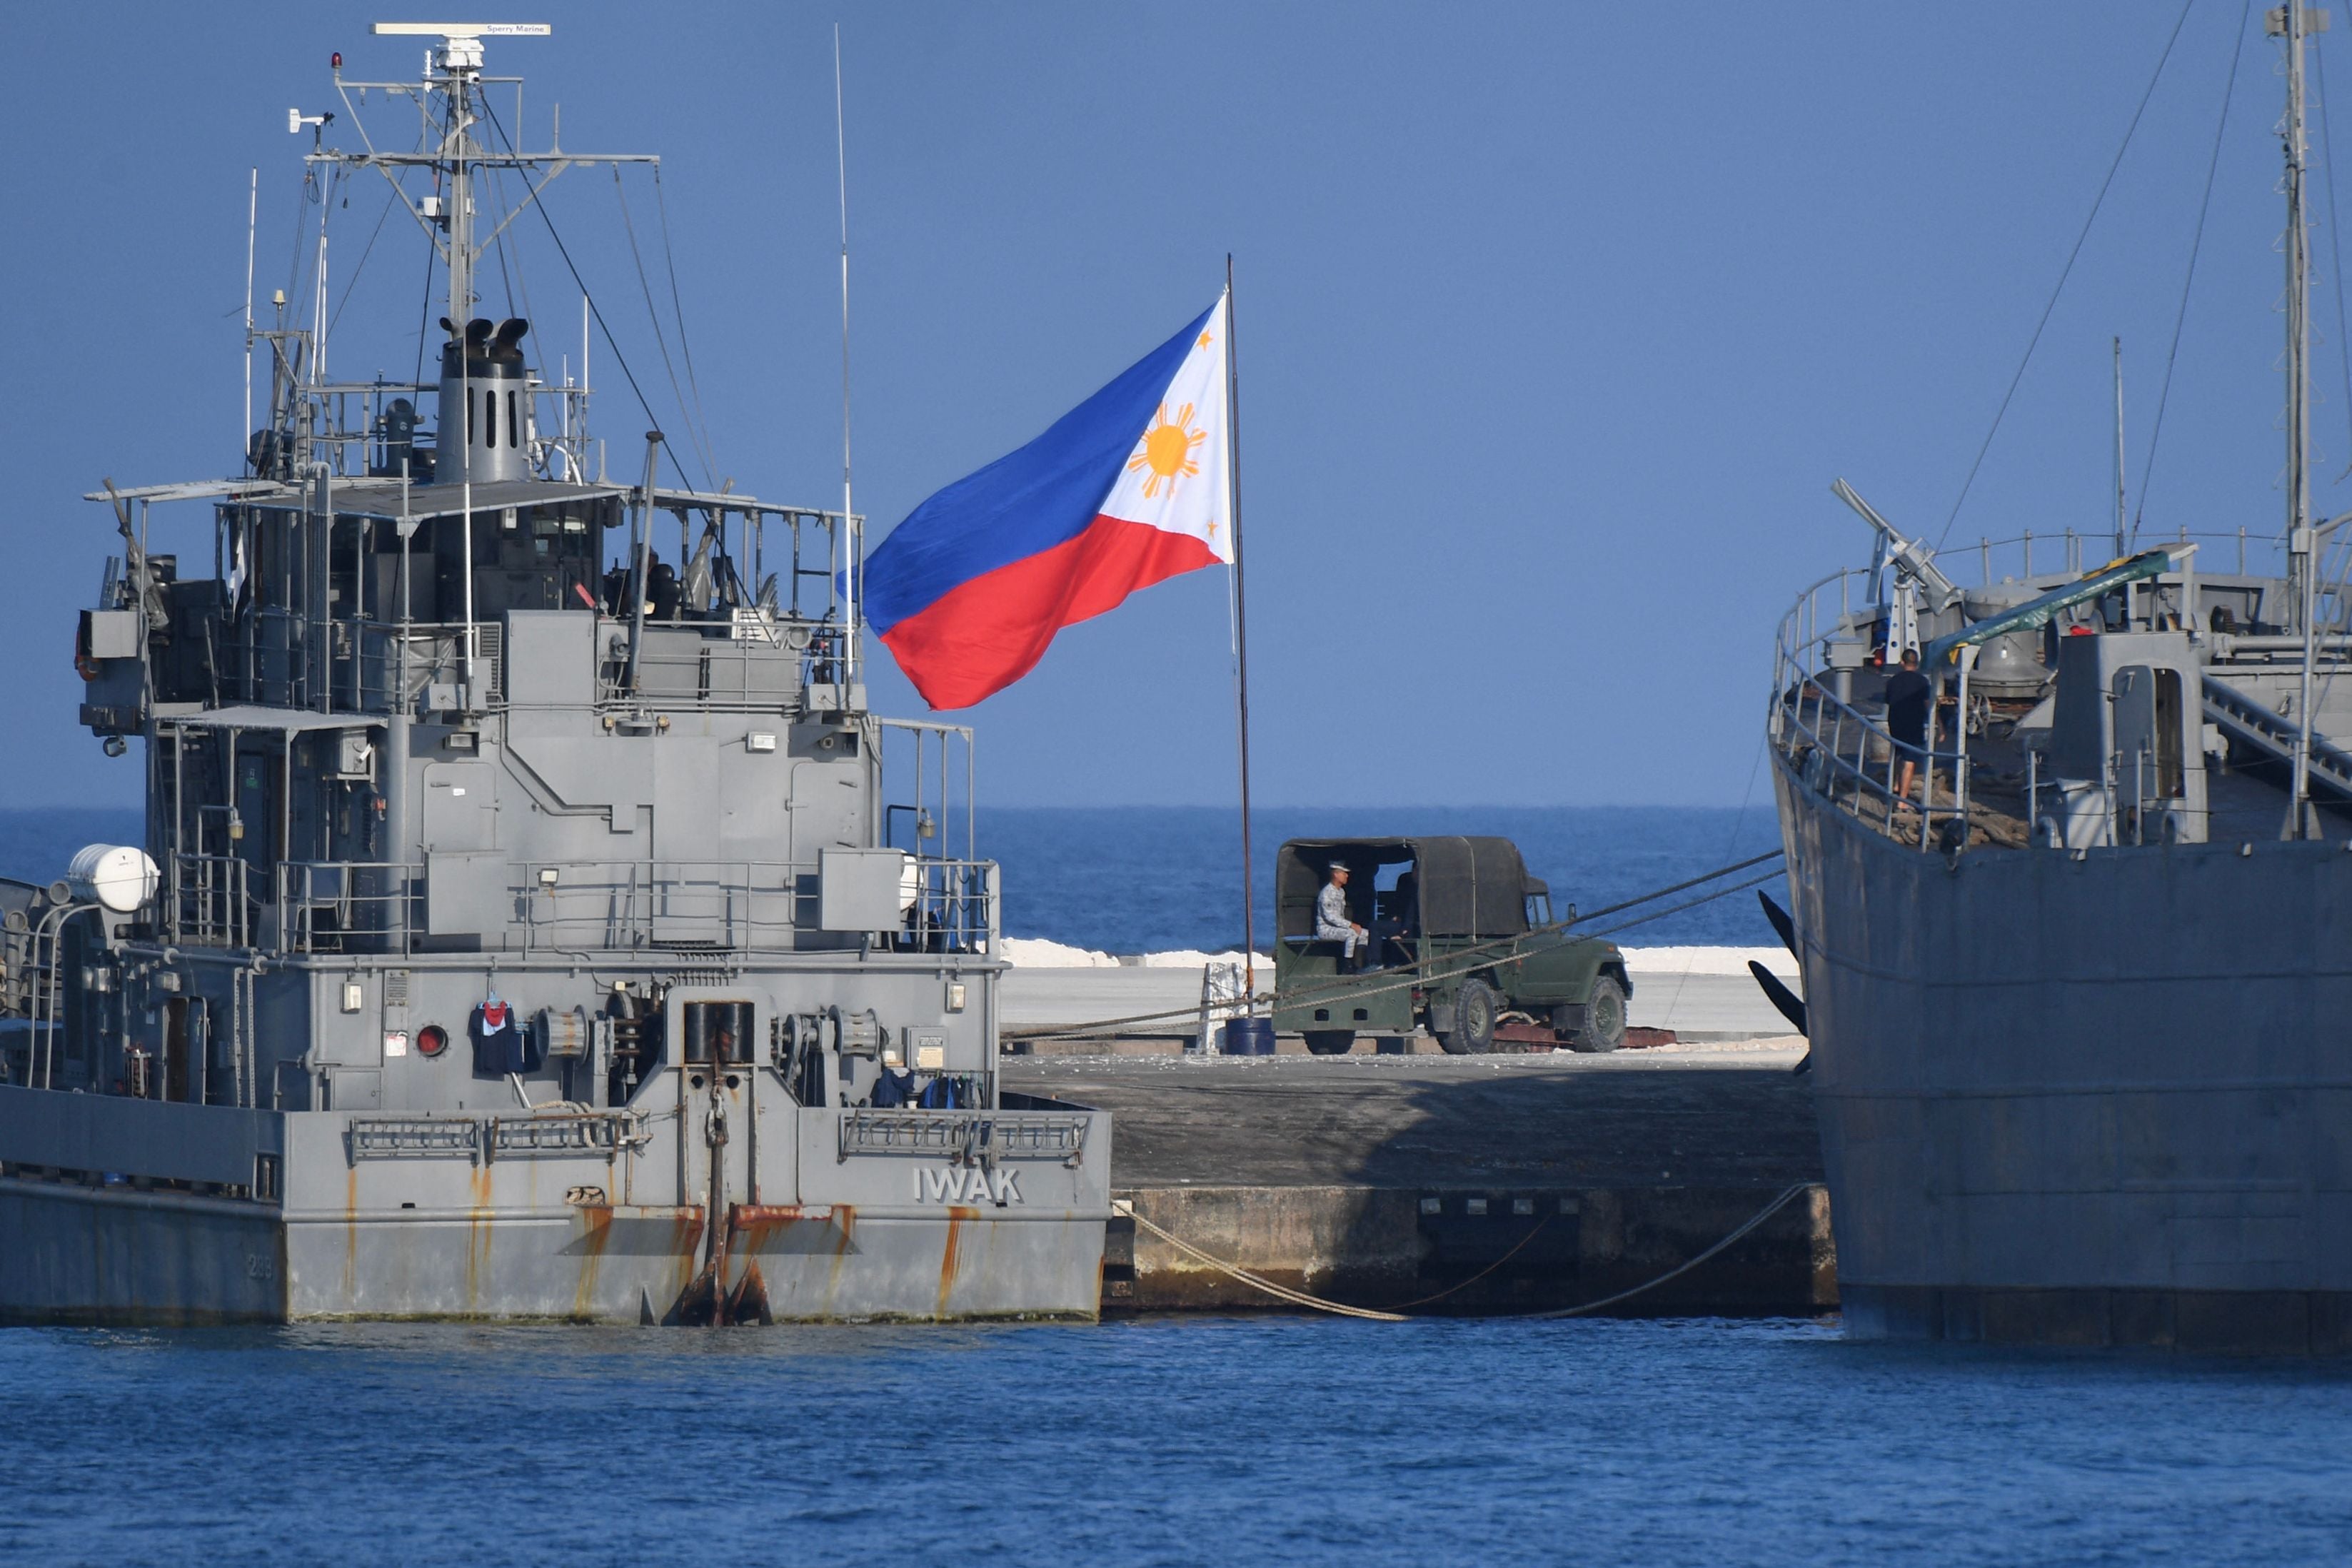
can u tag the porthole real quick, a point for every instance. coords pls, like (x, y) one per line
(432, 1041)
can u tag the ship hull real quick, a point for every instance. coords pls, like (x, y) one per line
(456, 1232)
(2082, 1097)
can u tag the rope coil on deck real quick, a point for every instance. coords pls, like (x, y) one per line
(1126, 1208)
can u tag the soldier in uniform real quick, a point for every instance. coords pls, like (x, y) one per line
(1331, 921)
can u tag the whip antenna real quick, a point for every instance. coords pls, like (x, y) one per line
(252, 213)
(849, 529)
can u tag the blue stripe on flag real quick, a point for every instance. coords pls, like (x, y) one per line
(1044, 495)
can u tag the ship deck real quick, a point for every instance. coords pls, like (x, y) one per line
(2245, 800)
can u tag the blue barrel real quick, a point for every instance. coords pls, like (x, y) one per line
(1247, 1037)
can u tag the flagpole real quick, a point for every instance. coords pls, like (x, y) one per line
(1241, 635)
(850, 533)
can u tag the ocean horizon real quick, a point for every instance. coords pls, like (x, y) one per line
(1152, 878)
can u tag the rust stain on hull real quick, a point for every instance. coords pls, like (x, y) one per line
(684, 1241)
(748, 1304)
(752, 1227)
(958, 1216)
(598, 1219)
(480, 1225)
(352, 1237)
(846, 1217)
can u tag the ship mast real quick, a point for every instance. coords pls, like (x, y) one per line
(455, 69)
(462, 58)
(2291, 21)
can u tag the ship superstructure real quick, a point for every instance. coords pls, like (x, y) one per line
(2076, 999)
(521, 928)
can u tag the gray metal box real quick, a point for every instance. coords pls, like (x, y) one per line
(551, 658)
(116, 634)
(465, 891)
(354, 754)
(860, 890)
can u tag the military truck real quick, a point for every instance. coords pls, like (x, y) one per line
(1461, 942)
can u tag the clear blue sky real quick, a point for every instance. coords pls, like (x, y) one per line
(1556, 323)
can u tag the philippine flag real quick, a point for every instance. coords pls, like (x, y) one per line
(1126, 490)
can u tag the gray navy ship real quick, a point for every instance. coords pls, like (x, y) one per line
(2078, 999)
(521, 929)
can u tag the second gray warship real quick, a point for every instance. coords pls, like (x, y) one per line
(514, 936)
(2076, 997)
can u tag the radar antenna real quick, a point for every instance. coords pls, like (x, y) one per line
(455, 66)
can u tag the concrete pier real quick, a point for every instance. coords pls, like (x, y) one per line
(1700, 1008)
(1500, 1184)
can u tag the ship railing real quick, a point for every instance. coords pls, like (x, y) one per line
(749, 660)
(945, 906)
(920, 757)
(341, 906)
(366, 666)
(2066, 553)
(952, 905)
(212, 901)
(969, 1137)
(1835, 748)
(485, 1140)
(356, 906)
(724, 658)
(393, 667)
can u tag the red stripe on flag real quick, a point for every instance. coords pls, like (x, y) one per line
(980, 636)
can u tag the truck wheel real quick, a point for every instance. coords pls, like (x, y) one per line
(1604, 1018)
(1475, 1007)
(1330, 1042)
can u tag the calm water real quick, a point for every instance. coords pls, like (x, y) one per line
(1216, 1440)
(1150, 879)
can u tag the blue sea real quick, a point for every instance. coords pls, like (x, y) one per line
(1141, 880)
(1169, 1440)
(1152, 878)
(1216, 1440)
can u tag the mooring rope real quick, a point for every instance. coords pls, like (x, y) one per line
(1759, 1217)
(1126, 1208)
(1281, 1293)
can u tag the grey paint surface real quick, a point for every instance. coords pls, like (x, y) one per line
(2118, 1069)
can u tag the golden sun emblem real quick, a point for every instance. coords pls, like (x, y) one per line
(1167, 451)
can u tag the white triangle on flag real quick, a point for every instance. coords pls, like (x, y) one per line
(1176, 478)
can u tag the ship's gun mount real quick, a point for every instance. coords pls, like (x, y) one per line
(1909, 558)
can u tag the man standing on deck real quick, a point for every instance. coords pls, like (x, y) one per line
(1331, 921)
(1909, 697)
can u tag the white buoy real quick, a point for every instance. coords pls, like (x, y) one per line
(116, 875)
